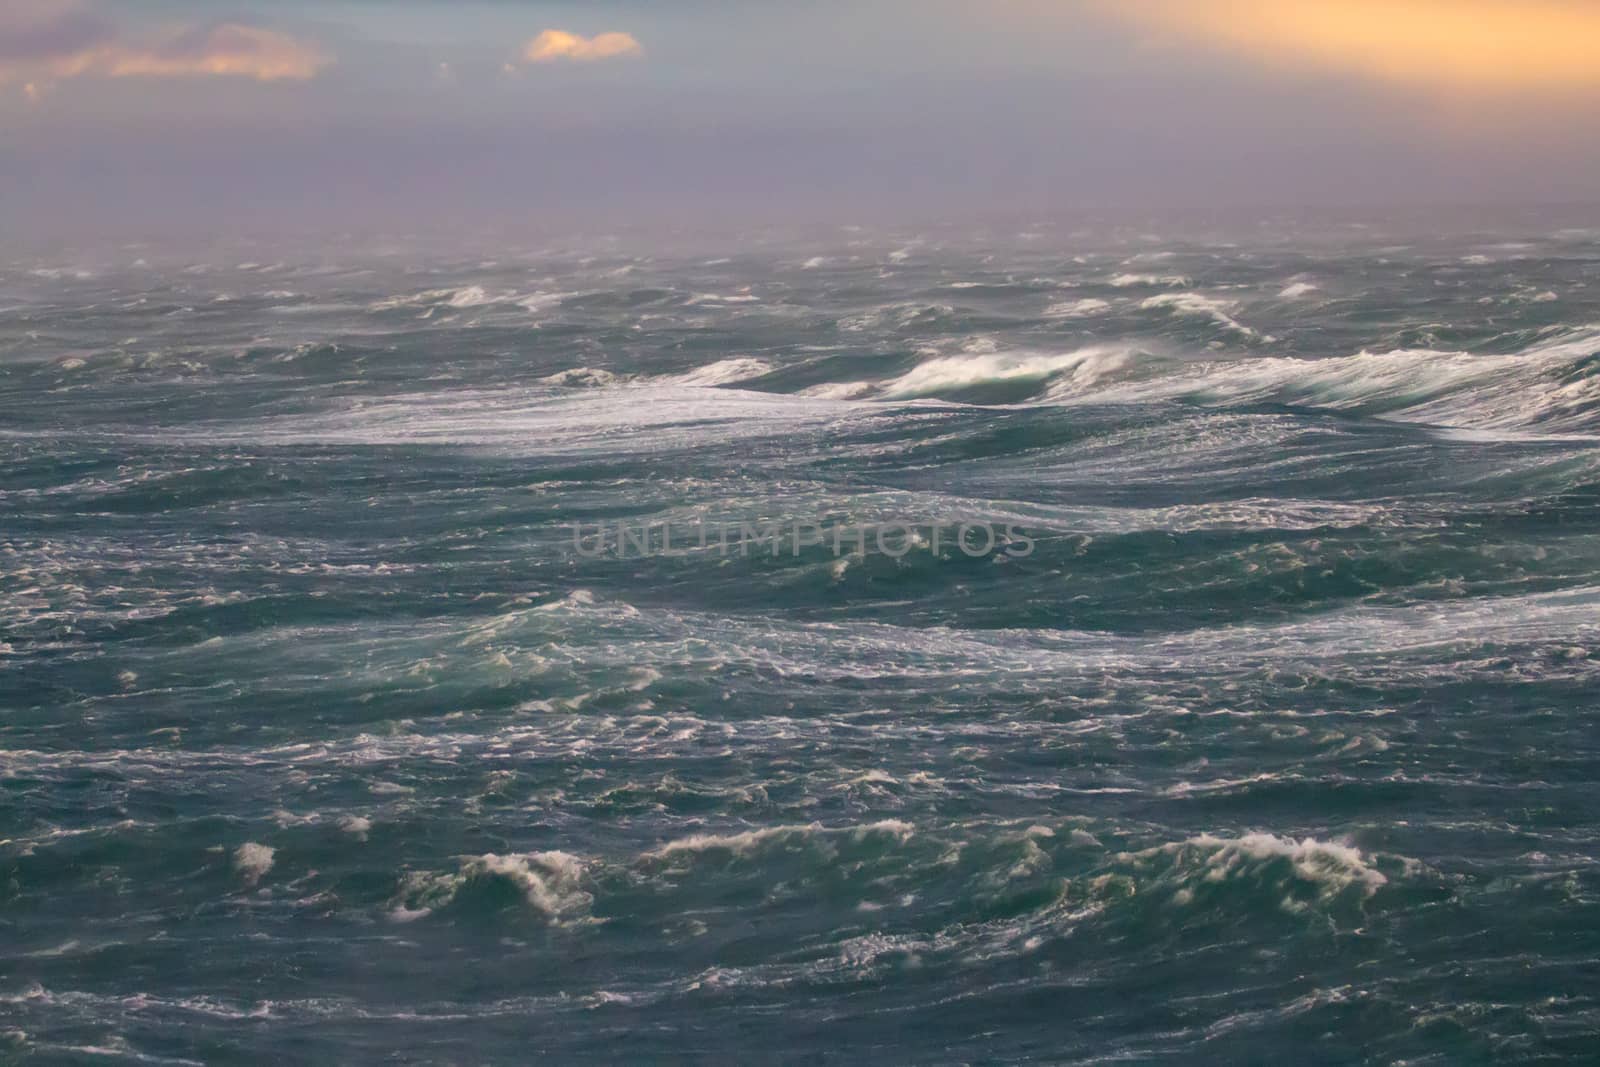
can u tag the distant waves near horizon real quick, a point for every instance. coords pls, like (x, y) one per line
(357, 703)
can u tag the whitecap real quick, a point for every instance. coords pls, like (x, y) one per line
(945, 374)
(1149, 281)
(253, 860)
(1196, 304)
(1077, 309)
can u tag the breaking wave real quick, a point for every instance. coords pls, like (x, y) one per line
(548, 883)
(1550, 389)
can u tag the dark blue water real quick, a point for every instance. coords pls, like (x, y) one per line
(322, 742)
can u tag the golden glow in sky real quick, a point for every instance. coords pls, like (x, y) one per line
(559, 44)
(1458, 45)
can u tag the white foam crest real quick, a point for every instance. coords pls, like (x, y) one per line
(749, 841)
(1329, 868)
(1149, 281)
(582, 376)
(1082, 368)
(1077, 309)
(60, 273)
(633, 418)
(253, 860)
(357, 826)
(1366, 639)
(739, 844)
(550, 883)
(1542, 389)
(900, 315)
(723, 372)
(465, 296)
(536, 302)
(839, 390)
(1196, 304)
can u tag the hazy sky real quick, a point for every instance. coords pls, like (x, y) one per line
(143, 115)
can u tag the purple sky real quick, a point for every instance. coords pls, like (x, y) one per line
(124, 118)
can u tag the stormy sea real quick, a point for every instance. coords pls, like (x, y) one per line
(1023, 645)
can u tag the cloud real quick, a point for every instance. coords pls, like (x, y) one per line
(228, 49)
(554, 45)
(42, 41)
(1472, 45)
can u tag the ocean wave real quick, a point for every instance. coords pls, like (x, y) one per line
(253, 860)
(748, 842)
(951, 375)
(1552, 388)
(585, 377)
(994, 891)
(547, 883)
(1287, 706)
(1217, 310)
(1149, 281)
(722, 372)
(1297, 874)
(634, 417)
(711, 375)
(1077, 309)
(902, 316)
(465, 296)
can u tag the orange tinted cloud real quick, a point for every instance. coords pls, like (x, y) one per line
(228, 49)
(40, 42)
(1474, 45)
(559, 44)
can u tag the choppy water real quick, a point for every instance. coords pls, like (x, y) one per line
(321, 743)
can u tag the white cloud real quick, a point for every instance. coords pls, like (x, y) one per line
(552, 45)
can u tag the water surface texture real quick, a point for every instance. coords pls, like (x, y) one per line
(320, 742)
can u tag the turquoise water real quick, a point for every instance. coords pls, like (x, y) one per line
(320, 741)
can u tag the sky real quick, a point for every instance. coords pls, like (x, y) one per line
(146, 116)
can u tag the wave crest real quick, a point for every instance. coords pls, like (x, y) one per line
(549, 883)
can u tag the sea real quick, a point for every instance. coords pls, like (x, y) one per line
(1002, 645)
